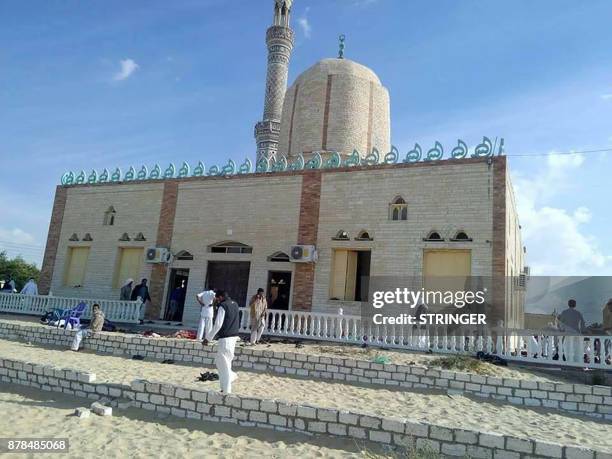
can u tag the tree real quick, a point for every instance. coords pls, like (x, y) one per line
(17, 268)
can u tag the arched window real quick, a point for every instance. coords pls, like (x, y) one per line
(140, 237)
(279, 257)
(230, 247)
(184, 255)
(461, 236)
(109, 216)
(434, 236)
(341, 236)
(364, 236)
(398, 209)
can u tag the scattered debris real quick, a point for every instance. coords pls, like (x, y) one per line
(82, 413)
(101, 410)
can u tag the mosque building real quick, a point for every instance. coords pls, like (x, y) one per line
(328, 204)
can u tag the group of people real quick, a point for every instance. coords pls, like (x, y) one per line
(30, 287)
(130, 293)
(220, 321)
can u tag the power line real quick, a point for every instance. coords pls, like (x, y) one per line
(22, 244)
(565, 153)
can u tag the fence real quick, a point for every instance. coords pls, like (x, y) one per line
(535, 346)
(115, 311)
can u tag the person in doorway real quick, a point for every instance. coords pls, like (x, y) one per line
(225, 329)
(97, 322)
(259, 307)
(177, 300)
(126, 290)
(206, 299)
(571, 319)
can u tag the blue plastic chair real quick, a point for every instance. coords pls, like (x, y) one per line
(72, 316)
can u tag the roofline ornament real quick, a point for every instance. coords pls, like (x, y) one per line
(487, 148)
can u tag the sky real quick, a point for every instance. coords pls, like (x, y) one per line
(89, 85)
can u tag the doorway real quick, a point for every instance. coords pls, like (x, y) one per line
(279, 288)
(231, 276)
(177, 287)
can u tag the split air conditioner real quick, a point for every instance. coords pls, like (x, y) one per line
(158, 255)
(303, 254)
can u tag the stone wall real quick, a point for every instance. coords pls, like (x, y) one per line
(593, 401)
(252, 412)
(137, 209)
(446, 199)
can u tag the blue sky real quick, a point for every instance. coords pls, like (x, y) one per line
(112, 83)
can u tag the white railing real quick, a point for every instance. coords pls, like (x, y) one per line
(115, 311)
(542, 347)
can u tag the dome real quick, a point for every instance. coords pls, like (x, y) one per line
(335, 105)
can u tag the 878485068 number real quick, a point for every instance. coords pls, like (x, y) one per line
(34, 445)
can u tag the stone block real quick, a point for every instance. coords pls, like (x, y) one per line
(380, 437)
(577, 452)
(441, 433)
(453, 449)
(317, 427)
(491, 440)
(551, 450)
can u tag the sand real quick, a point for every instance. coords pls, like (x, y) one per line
(428, 406)
(142, 434)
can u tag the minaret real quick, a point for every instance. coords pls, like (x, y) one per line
(279, 39)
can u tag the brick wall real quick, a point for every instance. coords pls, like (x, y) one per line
(307, 234)
(53, 238)
(165, 229)
(498, 262)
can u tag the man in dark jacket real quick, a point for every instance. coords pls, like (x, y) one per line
(142, 291)
(225, 328)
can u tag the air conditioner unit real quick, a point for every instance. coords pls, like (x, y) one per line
(303, 253)
(522, 280)
(158, 255)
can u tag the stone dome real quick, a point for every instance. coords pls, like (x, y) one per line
(335, 105)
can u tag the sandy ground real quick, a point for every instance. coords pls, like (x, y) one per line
(137, 433)
(452, 411)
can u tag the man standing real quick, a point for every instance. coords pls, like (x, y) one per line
(126, 290)
(571, 319)
(259, 307)
(97, 322)
(225, 329)
(141, 291)
(205, 299)
(30, 288)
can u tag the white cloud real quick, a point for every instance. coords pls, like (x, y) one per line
(556, 239)
(17, 242)
(16, 236)
(305, 24)
(606, 96)
(128, 67)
